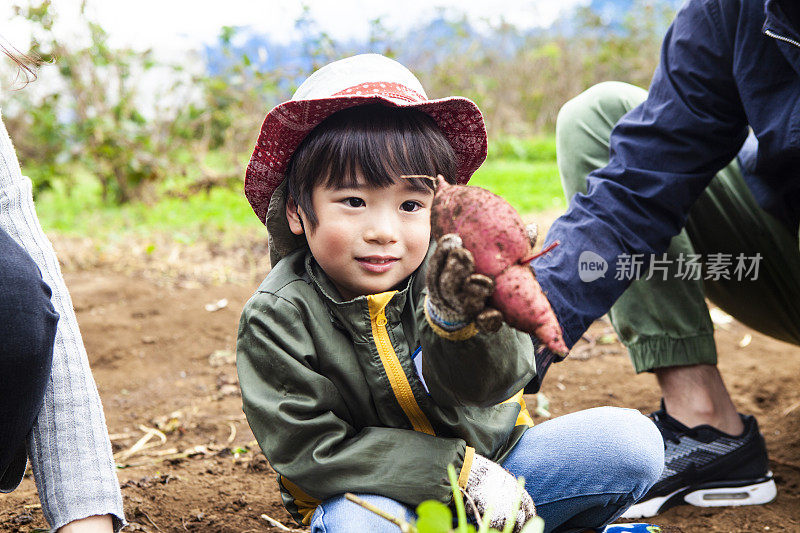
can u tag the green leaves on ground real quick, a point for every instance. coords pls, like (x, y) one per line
(433, 517)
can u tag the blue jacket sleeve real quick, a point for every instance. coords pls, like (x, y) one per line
(662, 155)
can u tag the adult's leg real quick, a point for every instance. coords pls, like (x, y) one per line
(584, 469)
(27, 329)
(727, 220)
(708, 444)
(339, 514)
(664, 321)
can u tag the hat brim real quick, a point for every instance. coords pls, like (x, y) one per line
(287, 125)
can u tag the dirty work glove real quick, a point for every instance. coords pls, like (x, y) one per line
(456, 295)
(491, 485)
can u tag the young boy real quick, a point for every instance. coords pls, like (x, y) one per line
(330, 354)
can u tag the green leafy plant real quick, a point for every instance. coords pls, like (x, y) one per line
(89, 115)
(436, 517)
(90, 112)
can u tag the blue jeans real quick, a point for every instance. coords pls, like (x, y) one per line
(582, 471)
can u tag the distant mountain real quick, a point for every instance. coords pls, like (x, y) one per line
(426, 44)
(614, 12)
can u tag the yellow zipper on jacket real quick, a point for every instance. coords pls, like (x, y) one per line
(524, 417)
(391, 364)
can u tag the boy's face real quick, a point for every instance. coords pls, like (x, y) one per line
(367, 239)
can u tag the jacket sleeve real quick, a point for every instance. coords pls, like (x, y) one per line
(663, 154)
(68, 446)
(304, 428)
(469, 368)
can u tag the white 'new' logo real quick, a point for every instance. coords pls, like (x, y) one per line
(591, 266)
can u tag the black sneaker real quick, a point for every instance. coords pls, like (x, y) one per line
(708, 468)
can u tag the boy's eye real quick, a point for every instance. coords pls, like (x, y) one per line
(410, 205)
(353, 202)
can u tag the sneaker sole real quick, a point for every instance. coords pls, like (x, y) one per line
(708, 495)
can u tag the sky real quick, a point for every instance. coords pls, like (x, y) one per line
(171, 26)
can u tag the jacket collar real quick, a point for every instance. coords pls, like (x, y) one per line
(346, 312)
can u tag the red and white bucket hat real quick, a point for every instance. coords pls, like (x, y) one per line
(357, 80)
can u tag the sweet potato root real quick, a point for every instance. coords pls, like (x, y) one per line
(494, 233)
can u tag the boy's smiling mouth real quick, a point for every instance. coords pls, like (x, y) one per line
(377, 263)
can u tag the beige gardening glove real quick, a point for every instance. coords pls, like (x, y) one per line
(491, 486)
(456, 294)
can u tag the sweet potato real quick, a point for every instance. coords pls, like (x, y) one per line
(497, 238)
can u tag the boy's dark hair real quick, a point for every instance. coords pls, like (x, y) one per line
(379, 142)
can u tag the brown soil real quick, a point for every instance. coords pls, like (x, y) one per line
(162, 360)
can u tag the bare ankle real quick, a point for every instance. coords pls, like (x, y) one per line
(696, 395)
(698, 413)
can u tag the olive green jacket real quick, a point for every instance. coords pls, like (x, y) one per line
(331, 393)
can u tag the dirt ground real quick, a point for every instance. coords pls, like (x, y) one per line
(162, 356)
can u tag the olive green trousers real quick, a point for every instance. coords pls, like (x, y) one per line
(664, 320)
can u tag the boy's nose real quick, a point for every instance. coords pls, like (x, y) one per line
(382, 230)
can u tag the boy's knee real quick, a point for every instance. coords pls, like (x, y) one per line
(607, 102)
(340, 514)
(639, 445)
